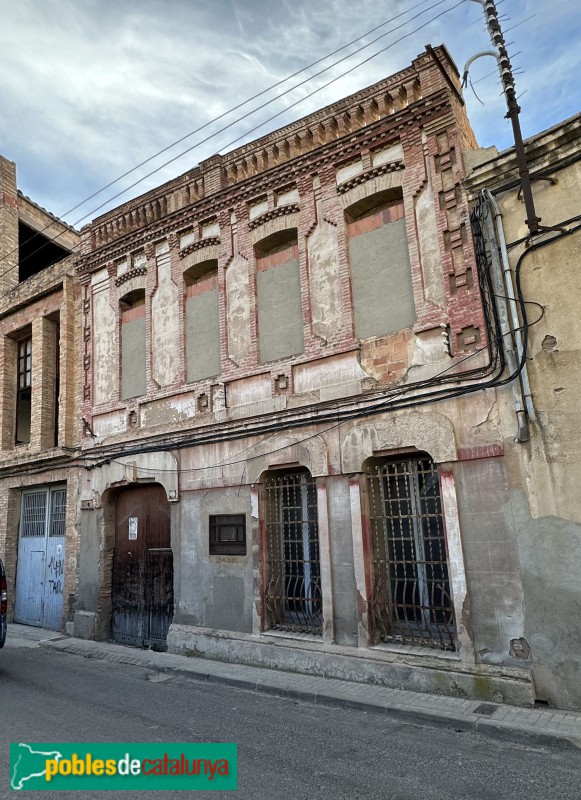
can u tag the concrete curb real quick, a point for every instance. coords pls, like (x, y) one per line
(409, 707)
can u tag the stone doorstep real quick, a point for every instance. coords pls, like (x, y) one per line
(549, 728)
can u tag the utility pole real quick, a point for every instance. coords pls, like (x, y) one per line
(507, 80)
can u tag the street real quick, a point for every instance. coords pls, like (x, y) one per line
(286, 749)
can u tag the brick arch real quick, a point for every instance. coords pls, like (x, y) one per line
(381, 183)
(273, 226)
(427, 432)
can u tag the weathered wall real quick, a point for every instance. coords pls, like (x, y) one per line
(165, 313)
(497, 604)
(105, 376)
(216, 591)
(544, 474)
(342, 569)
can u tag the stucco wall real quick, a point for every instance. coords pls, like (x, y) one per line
(216, 591)
(280, 318)
(202, 335)
(381, 279)
(133, 354)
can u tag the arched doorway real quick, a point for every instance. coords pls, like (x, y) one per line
(142, 580)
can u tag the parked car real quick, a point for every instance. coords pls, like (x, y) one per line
(3, 604)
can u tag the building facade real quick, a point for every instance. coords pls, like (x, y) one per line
(285, 445)
(39, 429)
(279, 411)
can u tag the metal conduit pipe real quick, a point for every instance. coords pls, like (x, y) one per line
(503, 315)
(509, 285)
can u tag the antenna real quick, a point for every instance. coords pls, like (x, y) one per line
(508, 88)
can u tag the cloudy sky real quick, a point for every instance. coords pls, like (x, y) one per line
(91, 88)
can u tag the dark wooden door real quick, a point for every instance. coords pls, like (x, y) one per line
(142, 587)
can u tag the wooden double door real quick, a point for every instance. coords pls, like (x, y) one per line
(142, 580)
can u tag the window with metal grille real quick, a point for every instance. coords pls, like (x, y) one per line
(33, 513)
(227, 535)
(58, 512)
(43, 511)
(411, 601)
(23, 391)
(292, 592)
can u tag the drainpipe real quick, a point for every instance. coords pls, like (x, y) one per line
(503, 317)
(512, 304)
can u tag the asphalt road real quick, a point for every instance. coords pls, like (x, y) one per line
(287, 749)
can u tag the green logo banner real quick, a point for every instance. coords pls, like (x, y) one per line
(117, 766)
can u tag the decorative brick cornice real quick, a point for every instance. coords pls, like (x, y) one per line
(280, 211)
(133, 273)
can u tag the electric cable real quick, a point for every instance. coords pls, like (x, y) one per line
(258, 108)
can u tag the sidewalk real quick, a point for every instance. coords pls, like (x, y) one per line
(543, 727)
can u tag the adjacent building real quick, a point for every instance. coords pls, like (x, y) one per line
(536, 490)
(38, 406)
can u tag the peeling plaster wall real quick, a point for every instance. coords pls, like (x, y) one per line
(238, 309)
(164, 325)
(429, 242)
(342, 569)
(381, 278)
(325, 280)
(497, 607)
(550, 557)
(105, 384)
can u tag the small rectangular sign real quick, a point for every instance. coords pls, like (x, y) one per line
(125, 766)
(133, 527)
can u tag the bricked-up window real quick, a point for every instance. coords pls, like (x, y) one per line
(23, 390)
(133, 353)
(202, 321)
(380, 266)
(227, 535)
(278, 288)
(411, 601)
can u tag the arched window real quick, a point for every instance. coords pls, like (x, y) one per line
(411, 601)
(133, 373)
(292, 591)
(280, 316)
(202, 321)
(381, 278)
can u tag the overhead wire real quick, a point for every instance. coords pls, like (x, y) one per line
(259, 108)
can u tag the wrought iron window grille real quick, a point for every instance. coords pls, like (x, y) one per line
(292, 592)
(411, 601)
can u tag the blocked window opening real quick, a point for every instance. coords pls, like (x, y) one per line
(36, 252)
(292, 591)
(278, 286)
(133, 354)
(24, 390)
(227, 535)
(380, 265)
(202, 321)
(411, 601)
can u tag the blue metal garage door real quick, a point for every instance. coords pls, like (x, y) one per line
(41, 558)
